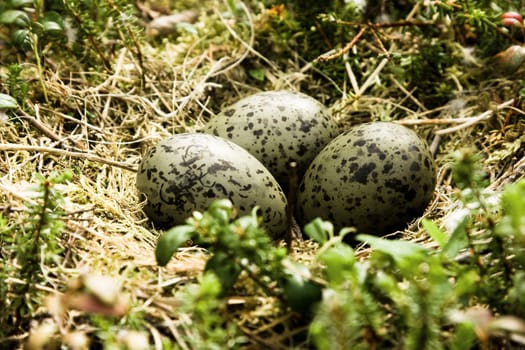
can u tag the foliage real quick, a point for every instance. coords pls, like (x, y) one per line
(7, 102)
(209, 327)
(405, 294)
(86, 29)
(241, 253)
(112, 20)
(242, 246)
(408, 295)
(25, 247)
(429, 48)
(32, 29)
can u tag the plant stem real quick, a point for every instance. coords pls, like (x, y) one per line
(34, 46)
(42, 220)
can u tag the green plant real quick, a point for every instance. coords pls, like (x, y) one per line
(18, 87)
(32, 29)
(398, 296)
(7, 102)
(68, 25)
(210, 327)
(242, 255)
(114, 21)
(408, 295)
(404, 294)
(25, 246)
(240, 245)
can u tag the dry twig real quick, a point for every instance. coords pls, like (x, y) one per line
(60, 152)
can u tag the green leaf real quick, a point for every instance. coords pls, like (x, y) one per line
(395, 248)
(221, 210)
(466, 283)
(7, 101)
(22, 39)
(21, 3)
(458, 240)
(464, 337)
(300, 291)
(337, 260)
(225, 268)
(16, 17)
(170, 241)
(513, 203)
(52, 23)
(433, 231)
(209, 286)
(319, 230)
(257, 74)
(52, 27)
(404, 253)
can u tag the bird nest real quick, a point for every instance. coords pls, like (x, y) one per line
(98, 124)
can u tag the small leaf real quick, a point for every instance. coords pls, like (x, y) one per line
(7, 101)
(458, 240)
(338, 259)
(22, 39)
(300, 291)
(464, 336)
(405, 254)
(433, 231)
(52, 23)
(222, 210)
(466, 283)
(396, 248)
(52, 27)
(226, 270)
(257, 74)
(319, 230)
(513, 203)
(15, 17)
(302, 295)
(21, 3)
(249, 221)
(170, 241)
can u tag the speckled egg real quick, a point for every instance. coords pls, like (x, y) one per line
(376, 177)
(277, 127)
(186, 172)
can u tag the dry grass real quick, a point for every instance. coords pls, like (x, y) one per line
(101, 131)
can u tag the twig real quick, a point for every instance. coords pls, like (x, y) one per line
(432, 121)
(72, 119)
(408, 93)
(373, 28)
(379, 42)
(404, 23)
(370, 80)
(46, 130)
(352, 77)
(348, 47)
(474, 120)
(248, 46)
(81, 155)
